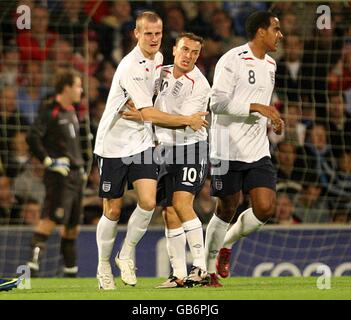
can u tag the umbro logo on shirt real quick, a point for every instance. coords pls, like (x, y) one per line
(142, 61)
(244, 52)
(138, 79)
(272, 74)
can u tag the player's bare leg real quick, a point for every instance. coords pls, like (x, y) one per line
(263, 202)
(215, 233)
(137, 226)
(176, 242)
(183, 205)
(40, 236)
(105, 237)
(69, 250)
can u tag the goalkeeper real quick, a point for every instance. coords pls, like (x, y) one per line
(55, 140)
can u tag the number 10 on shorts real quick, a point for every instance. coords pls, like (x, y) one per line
(189, 174)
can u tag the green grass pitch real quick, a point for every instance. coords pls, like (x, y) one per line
(265, 288)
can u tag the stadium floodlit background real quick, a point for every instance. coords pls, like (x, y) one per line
(313, 157)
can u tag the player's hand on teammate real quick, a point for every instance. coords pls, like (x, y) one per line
(132, 113)
(197, 121)
(278, 126)
(60, 165)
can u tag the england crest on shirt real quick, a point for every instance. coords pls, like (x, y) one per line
(176, 89)
(218, 184)
(106, 186)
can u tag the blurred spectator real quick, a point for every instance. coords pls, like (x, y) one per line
(240, 10)
(105, 75)
(175, 23)
(69, 21)
(284, 211)
(310, 205)
(288, 23)
(128, 41)
(88, 60)
(223, 32)
(30, 214)
(308, 111)
(219, 40)
(294, 130)
(93, 89)
(11, 121)
(339, 124)
(320, 53)
(340, 74)
(62, 56)
(32, 91)
(289, 174)
(96, 9)
(9, 66)
(112, 28)
(2, 169)
(319, 155)
(341, 216)
(204, 203)
(36, 43)
(9, 206)
(19, 154)
(29, 184)
(288, 74)
(201, 25)
(340, 188)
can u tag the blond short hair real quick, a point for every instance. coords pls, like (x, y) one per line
(149, 16)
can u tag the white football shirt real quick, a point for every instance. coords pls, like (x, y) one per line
(239, 80)
(136, 78)
(183, 96)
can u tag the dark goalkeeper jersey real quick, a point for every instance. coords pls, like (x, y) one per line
(56, 133)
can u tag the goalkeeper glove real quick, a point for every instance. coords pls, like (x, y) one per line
(59, 165)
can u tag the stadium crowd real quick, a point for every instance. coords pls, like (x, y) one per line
(312, 92)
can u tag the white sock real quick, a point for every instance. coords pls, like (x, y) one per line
(195, 238)
(246, 224)
(137, 226)
(176, 242)
(106, 232)
(215, 233)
